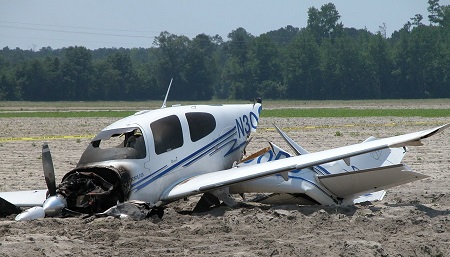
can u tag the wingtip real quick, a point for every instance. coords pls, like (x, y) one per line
(435, 131)
(445, 126)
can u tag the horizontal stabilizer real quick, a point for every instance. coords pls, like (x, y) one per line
(370, 197)
(370, 180)
(25, 198)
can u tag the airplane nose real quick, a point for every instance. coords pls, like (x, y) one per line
(54, 205)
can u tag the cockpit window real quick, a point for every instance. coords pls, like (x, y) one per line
(201, 124)
(167, 134)
(130, 140)
(115, 144)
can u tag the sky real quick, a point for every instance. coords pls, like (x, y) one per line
(32, 24)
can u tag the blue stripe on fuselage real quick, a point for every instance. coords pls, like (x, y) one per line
(213, 148)
(144, 184)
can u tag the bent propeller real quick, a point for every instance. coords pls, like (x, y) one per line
(55, 203)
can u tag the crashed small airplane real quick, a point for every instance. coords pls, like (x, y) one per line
(155, 157)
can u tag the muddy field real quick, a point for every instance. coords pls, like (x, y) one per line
(412, 220)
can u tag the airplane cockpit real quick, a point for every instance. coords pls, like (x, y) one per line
(115, 144)
(93, 187)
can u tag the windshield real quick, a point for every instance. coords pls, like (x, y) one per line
(126, 143)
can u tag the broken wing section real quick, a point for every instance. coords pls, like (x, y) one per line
(351, 185)
(28, 198)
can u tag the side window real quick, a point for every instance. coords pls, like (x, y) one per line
(167, 134)
(201, 124)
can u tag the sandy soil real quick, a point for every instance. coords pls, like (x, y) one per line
(412, 220)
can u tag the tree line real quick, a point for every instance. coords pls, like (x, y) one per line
(325, 60)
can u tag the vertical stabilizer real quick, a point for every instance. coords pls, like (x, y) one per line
(295, 147)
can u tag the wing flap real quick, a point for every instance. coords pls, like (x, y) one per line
(223, 178)
(29, 198)
(370, 180)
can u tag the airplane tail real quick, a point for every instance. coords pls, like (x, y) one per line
(379, 169)
(375, 172)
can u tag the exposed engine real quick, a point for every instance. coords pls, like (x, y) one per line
(94, 189)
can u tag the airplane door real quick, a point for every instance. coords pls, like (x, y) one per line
(167, 141)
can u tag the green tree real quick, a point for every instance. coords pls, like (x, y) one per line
(417, 20)
(266, 68)
(123, 89)
(237, 79)
(201, 68)
(170, 63)
(439, 14)
(146, 83)
(54, 80)
(283, 36)
(302, 68)
(322, 61)
(353, 76)
(418, 59)
(324, 23)
(106, 81)
(381, 67)
(421, 55)
(31, 79)
(77, 73)
(400, 73)
(329, 68)
(7, 87)
(435, 11)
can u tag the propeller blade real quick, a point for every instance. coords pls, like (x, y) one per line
(49, 171)
(55, 204)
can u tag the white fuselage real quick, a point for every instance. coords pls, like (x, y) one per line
(204, 139)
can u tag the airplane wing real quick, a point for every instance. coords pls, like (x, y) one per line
(223, 178)
(25, 198)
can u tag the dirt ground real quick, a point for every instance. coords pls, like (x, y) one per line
(412, 220)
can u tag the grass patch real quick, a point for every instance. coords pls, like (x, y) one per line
(346, 112)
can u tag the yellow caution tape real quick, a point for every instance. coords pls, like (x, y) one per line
(5, 139)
